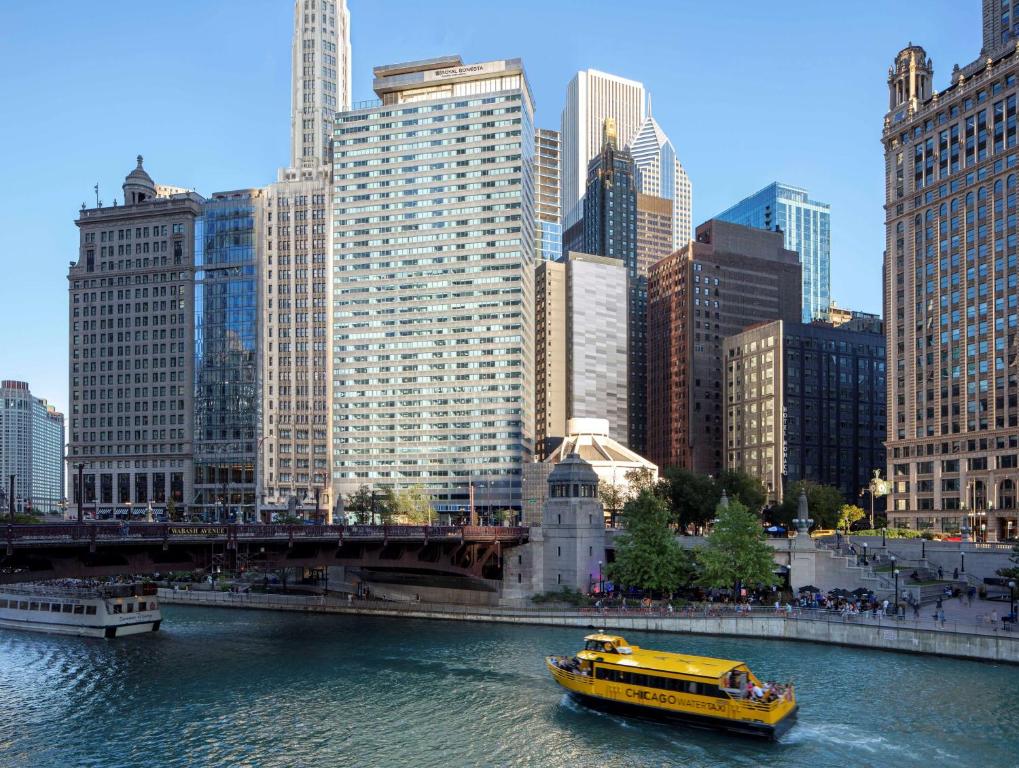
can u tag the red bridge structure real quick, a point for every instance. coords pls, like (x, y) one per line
(58, 551)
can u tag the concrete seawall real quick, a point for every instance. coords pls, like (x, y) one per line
(978, 645)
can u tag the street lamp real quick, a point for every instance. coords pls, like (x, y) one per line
(896, 591)
(1011, 594)
(865, 548)
(962, 562)
(883, 532)
(600, 587)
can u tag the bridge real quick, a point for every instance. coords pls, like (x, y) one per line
(76, 550)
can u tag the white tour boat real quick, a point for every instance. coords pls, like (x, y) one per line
(106, 610)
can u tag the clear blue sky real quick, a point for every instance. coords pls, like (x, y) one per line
(749, 92)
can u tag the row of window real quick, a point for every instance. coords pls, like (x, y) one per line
(662, 683)
(32, 605)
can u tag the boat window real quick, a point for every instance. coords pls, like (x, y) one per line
(79, 610)
(44, 607)
(23, 605)
(68, 608)
(658, 681)
(3, 603)
(33, 606)
(55, 607)
(142, 605)
(118, 608)
(130, 607)
(90, 610)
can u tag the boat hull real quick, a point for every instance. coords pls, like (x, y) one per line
(82, 630)
(756, 730)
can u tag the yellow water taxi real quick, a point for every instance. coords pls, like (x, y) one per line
(611, 675)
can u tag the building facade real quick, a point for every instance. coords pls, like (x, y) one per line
(227, 354)
(806, 226)
(654, 231)
(660, 174)
(551, 342)
(320, 82)
(591, 97)
(31, 450)
(727, 279)
(131, 308)
(805, 402)
(597, 341)
(433, 331)
(548, 211)
(950, 289)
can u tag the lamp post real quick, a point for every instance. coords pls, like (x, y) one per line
(962, 562)
(884, 543)
(81, 492)
(1011, 595)
(896, 572)
(865, 548)
(600, 587)
(923, 549)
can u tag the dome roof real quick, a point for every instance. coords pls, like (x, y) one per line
(589, 440)
(138, 185)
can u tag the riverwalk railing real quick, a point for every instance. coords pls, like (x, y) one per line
(982, 626)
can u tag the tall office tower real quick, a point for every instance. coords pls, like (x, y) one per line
(806, 226)
(228, 311)
(730, 277)
(581, 341)
(654, 231)
(131, 347)
(610, 229)
(320, 79)
(293, 462)
(550, 345)
(31, 449)
(597, 342)
(591, 97)
(433, 356)
(805, 402)
(659, 173)
(950, 290)
(549, 245)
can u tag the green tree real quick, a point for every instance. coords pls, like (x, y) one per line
(413, 505)
(643, 479)
(691, 496)
(360, 504)
(743, 486)
(171, 509)
(612, 496)
(736, 553)
(647, 554)
(1013, 572)
(824, 502)
(849, 514)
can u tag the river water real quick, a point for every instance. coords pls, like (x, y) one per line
(248, 688)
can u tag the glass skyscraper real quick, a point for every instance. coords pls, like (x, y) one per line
(547, 209)
(806, 225)
(226, 354)
(433, 284)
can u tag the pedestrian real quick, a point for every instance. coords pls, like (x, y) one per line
(941, 616)
(884, 607)
(938, 606)
(916, 609)
(955, 574)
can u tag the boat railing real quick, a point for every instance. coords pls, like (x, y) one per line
(41, 590)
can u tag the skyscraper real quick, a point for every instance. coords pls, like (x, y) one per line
(320, 78)
(433, 330)
(132, 347)
(610, 229)
(296, 266)
(659, 173)
(228, 342)
(806, 226)
(31, 449)
(805, 402)
(548, 211)
(730, 277)
(951, 288)
(551, 340)
(591, 97)
(654, 231)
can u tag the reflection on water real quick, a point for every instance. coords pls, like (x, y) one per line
(238, 688)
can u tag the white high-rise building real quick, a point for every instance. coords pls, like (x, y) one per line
(320, 78)
(591, 97)
(433, 286)
(660, 173)
(296, 360)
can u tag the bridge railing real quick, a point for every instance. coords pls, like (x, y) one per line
(138, 530)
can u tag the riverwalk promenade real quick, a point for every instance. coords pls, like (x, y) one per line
(961, 638)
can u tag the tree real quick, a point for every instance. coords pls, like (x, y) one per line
(736, 553)
(691, 496)
(743, 486)
(612, 496)
(171, 509)
(361, 503)
(1013, 572)
(413, 505)
(824, 502)
(849, 514)
(647, 554)
(643, 479)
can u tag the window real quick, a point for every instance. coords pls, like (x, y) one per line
(90, 610)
